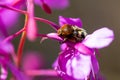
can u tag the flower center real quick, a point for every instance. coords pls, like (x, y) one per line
(72, 33)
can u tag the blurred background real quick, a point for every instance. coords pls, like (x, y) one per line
(94, 14)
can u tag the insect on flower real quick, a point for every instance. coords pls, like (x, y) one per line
(77, 59)
(72, 33)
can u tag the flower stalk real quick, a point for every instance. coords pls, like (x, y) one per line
(12, 8)
(22, 42)
(20, 48)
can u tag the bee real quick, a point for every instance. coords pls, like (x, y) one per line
(72, 33)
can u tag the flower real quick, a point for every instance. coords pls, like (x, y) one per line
(77, 59)
(32, 61)
(6, 15)
(8, 18)
(6, 50)
(54, 4)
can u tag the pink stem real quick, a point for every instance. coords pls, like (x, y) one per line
(54, 26)
(9, 38)
(12, 8)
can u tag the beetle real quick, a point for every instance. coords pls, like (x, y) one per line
(71, 33)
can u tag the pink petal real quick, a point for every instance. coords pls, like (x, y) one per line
(71, 21)
(18, 75)
(54, 36)
(31, 25)
(55, 63)
(32, 60)
(54, 4)
(99, 39)
(74, 66)
(79, 66)
(4, 73)
(7, 1)
(6, 47)
(95, 64)
(83, 49)
(31, 29)
(9, 17)
(46, 8)
(63, 46)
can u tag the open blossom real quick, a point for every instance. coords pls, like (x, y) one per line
(6, 64)
(8, 17)
(77, 60)
(32, 60)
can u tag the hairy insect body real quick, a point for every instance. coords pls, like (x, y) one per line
(71, 33)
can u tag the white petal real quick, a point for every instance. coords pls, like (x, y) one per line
(79, 67)
(99, 39)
